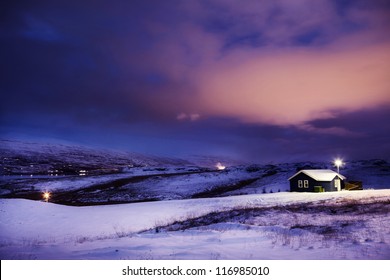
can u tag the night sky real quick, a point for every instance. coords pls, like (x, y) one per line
(258, 81)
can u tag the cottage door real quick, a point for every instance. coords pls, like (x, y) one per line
(337, 184)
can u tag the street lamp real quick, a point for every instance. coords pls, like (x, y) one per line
(46, 196)
(338, 162)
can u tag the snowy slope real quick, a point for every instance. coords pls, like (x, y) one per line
(178, 182)
(83, 176)
(26, 158)
(345, 225)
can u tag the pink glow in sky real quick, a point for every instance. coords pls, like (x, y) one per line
(298, 86)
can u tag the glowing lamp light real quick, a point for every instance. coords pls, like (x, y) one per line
(338, 162)
(46, 196)
(219, 166)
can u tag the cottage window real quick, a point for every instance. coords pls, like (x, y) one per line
(306, 184)
(300, 185)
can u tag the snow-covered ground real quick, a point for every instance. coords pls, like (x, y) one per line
(140, 184)
(34, 158)
(343, 225)
(179, 182)
(242, 212)
(68, 183)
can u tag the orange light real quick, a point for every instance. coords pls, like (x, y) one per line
(46, 196)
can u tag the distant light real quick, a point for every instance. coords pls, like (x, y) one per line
(46, 196)
(338, 162)
(219, 166)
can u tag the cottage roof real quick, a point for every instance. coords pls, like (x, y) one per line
(324, 175)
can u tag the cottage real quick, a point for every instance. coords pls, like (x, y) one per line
(317, 180)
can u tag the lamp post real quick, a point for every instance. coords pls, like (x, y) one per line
(46, 196)
(338, 162)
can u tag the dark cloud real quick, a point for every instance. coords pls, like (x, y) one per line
(368, 122)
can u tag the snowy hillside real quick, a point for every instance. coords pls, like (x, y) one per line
(135, 185)
(83, 176)
(27, 158)
(344, 225)
(183, 211)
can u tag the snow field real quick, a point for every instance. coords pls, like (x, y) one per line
(39, 230)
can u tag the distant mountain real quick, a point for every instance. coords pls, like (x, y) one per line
(31, 158)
